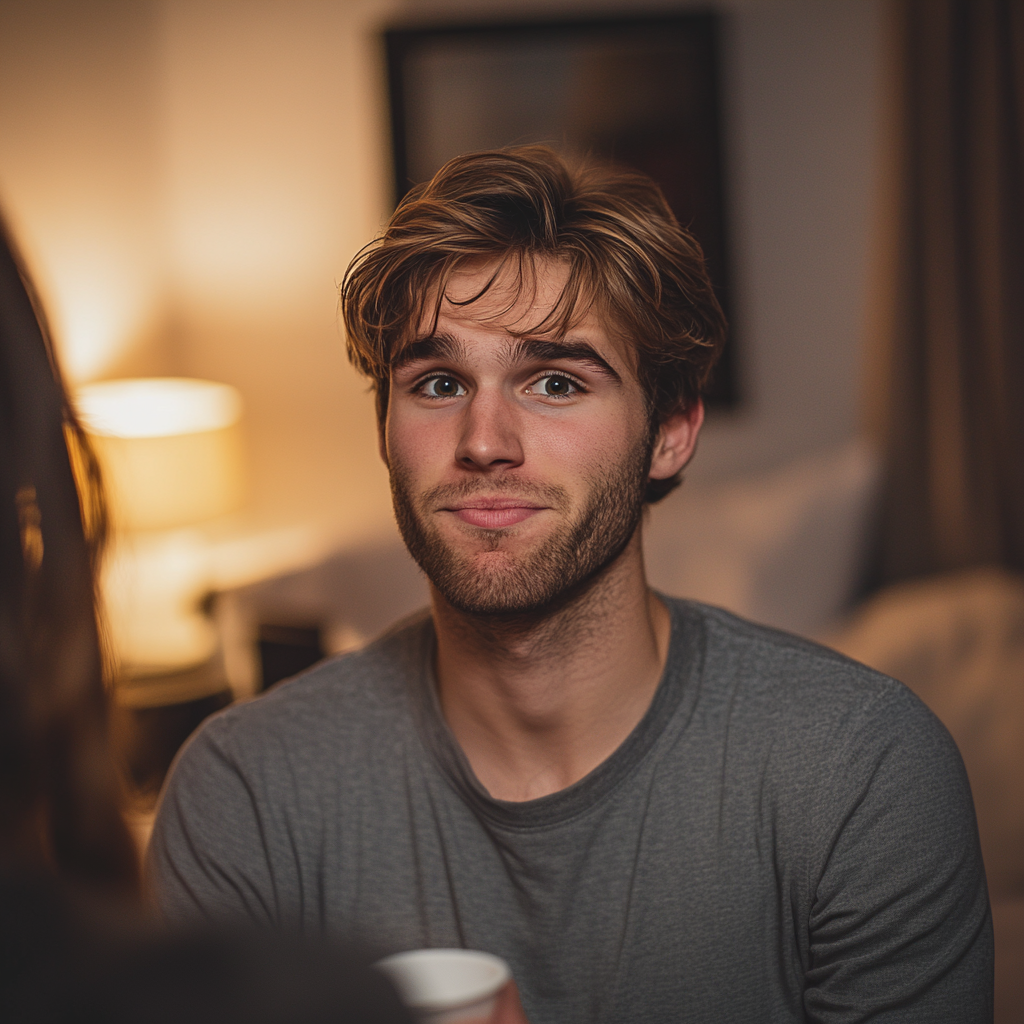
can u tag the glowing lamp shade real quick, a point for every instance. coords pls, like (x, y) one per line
(170, 448)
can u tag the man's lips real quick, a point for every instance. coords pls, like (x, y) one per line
(494, 514)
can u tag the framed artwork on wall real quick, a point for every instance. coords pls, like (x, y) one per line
(641, 92)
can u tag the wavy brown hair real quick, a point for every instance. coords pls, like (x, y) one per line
(625, 251)
(59, 784)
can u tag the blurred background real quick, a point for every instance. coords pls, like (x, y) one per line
(188, 180)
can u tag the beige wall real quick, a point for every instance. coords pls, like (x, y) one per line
(276, 176)
(188, 181)
(803, 94)
(190, 178)
(80, 167)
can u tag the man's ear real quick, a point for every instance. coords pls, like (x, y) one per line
(383, 393)
(676, 440)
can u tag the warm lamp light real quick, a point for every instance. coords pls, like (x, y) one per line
(170, 448)
(170, 451)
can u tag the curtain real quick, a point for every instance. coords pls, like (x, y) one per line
(949, 391)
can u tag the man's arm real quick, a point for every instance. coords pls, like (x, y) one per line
(900, 927)
(208, 856)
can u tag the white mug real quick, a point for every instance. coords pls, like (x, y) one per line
(447, 986)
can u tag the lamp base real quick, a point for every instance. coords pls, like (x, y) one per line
(156, 690)
(148, 738)
(156, 713)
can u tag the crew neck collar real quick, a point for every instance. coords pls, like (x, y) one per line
(676, 687)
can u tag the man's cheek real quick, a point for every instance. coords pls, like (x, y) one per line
(409, 447)
(571, 447)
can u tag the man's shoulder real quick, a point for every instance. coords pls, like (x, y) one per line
(817, 730)
(766, 652)
(334, 701)
(794, 681)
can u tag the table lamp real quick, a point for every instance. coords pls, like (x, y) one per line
(170, 452)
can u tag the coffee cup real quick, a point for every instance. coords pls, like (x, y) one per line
(447, 986)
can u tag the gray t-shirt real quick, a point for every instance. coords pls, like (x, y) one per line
(785, 836)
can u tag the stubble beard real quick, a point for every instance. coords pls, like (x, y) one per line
(539, 580)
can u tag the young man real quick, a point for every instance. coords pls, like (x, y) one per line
(653, 810)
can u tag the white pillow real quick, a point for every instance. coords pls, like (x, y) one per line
(783, 548)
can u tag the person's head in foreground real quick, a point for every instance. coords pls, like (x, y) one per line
(72, 943)
(59, 787)
(538, 335)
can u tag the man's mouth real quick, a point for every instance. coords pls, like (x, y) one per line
(494, 513)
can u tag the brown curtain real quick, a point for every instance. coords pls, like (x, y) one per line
(950, 391)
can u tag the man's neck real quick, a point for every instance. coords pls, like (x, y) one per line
(538, 703)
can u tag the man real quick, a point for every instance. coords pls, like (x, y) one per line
(653, 810)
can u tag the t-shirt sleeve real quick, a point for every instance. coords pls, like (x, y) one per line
(208, 857)
(900, 927)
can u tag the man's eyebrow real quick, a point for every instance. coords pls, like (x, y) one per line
(435, 346)
(539, 350)
(445, 347)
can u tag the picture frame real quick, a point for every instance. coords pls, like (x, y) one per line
(640, 92)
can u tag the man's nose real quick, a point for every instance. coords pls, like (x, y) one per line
(490, 437)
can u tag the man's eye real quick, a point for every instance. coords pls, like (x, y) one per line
(442, 387)
(554, 385)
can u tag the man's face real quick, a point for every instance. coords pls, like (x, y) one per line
(518, 465)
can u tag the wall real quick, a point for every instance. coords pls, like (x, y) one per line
(190, 179)
(276, 176)
(802, 86)
(80, 173)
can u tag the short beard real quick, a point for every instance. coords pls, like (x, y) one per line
(540, 581)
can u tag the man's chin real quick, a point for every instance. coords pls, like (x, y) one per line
(499, 602)
(489, 583)
(498, 585)
(533, 567)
